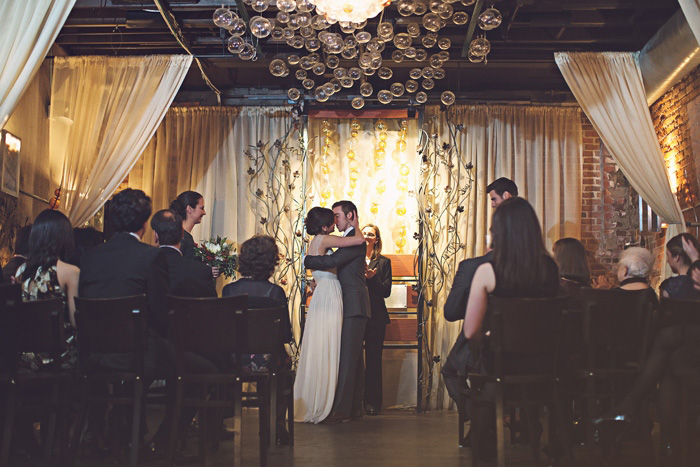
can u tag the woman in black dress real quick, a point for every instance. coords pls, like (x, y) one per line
(522, 268)
(378, 276)
(190, 206)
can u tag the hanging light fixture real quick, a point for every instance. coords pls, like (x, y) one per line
(353, 11)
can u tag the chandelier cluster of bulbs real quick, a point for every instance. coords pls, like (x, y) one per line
(327, 31)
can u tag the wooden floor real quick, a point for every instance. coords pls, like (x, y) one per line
(395, 438)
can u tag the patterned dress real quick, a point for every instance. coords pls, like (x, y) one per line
(45, 285)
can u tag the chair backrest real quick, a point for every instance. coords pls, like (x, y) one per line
(673, 312)
(617, 326)
(526, 327)
(10, 294)
(265, 330)
(34, 326)
(112, 325)
(208, 325)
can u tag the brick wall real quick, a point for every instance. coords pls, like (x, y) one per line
(609, 210)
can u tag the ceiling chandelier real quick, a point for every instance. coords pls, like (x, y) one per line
(353, 11)
(333, 50)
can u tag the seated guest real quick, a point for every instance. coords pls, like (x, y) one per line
(9, 270)
(45, 274)
(675, 350)
(257, 260)
(574, 273)
(188, 278)
(190, 206)
(85, 239)
(634, 267)
(125, 266)
(521, 267)
(680, 286)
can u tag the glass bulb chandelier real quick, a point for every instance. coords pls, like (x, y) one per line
(351, 11)
(332, 48)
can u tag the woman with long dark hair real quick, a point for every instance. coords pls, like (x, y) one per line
(521, 268)
(378, 277)
(45, 274)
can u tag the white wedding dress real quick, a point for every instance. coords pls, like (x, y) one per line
(317, 371)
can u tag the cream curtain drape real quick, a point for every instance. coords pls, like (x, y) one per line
(691, 10)
(27, 31)
(204, 149)
(209, 150)
(104, 110)
(540, 148)
(609, 88)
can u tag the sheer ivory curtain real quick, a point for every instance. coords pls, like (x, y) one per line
(540, 148)
(691, 10)
(27, 31)
(609, 88)
(104, 110)
(204, 149)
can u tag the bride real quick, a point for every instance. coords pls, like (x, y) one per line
(317, 371)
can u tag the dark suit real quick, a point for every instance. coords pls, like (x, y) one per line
(379, 287)
(351, 266)
(9, 270)
(458, 361)
(188, 278)
(125, 266)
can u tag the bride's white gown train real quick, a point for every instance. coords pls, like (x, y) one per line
(317, 371)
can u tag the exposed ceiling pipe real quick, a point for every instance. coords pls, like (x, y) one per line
(668, 57)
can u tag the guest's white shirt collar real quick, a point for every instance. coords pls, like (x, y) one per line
(173, 247)
(135, 235)
(347, 231)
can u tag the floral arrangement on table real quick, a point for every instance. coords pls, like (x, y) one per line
(217, 253)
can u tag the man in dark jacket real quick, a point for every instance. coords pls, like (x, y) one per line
(460, 360)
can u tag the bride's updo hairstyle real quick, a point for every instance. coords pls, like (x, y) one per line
(317, 218)
(184, 199)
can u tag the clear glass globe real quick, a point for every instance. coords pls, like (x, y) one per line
(411, 86)
(223, 17)
(294, 94)
(384, 96)
(366, 89)
(447, 98)
(397, 89)
(358, 103)
(490, 19)
(421, 97)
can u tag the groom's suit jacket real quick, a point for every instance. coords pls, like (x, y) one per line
(350, 262)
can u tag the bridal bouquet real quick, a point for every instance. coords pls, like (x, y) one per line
(219, 254)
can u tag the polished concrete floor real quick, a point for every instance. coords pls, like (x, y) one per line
(395, 438)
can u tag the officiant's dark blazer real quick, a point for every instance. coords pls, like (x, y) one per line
(379, 287)
(351, 265)
(125, 266)
(188, 278)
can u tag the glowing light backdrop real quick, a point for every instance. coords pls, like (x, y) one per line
(383, 195)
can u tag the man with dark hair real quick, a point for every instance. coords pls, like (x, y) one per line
(20, 254)
(460, 359)
(500, 190)
(124, 266)
(188, 278)
(350, 262)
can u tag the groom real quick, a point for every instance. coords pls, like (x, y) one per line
(351, 266)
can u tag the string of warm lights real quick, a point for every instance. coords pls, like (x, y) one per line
(325, 168)
(353, 165)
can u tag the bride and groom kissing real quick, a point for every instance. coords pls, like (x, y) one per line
(330, 374)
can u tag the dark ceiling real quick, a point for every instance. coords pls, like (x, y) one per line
(520, 66)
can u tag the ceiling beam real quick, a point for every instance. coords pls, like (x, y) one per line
(472, 27)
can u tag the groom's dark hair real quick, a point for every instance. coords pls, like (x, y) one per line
(346, 206)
